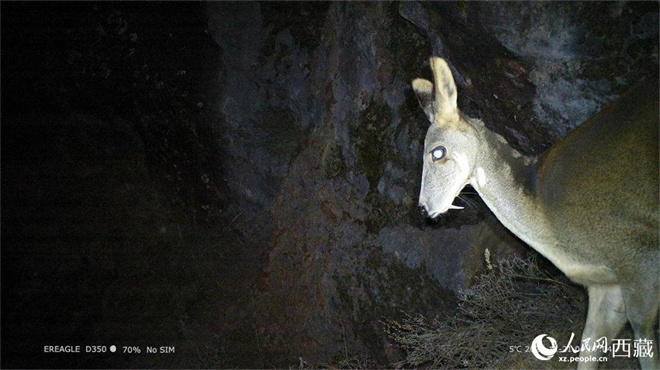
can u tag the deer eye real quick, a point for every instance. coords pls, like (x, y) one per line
(438, 153)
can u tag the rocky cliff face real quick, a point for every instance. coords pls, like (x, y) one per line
(323, 138)
(254, 168)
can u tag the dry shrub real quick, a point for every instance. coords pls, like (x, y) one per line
(509, 305)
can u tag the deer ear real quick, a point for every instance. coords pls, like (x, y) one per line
(445, 107)
(424, 91)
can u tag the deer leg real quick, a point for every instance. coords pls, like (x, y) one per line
(605, 318)
(642, 312)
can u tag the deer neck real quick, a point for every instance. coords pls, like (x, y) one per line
(506, 181)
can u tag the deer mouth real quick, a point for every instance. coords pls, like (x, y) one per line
(436, 213)
(433, 207)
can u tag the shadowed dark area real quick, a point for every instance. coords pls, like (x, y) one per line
(239, 181)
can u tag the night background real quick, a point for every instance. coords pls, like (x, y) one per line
(239, 181)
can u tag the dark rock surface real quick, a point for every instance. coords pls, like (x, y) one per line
(345, 202)
(280, 144)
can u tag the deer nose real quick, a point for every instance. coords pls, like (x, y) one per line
(423, 211)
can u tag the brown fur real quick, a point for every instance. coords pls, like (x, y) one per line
(590, 204)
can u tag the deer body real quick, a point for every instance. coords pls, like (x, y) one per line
(589, 204)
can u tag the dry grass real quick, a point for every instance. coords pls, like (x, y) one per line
(509, 305)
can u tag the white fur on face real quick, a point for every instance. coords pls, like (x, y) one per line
(481, 178)
(462, 161)
(441, 182)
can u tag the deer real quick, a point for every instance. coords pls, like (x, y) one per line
(589, 204)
